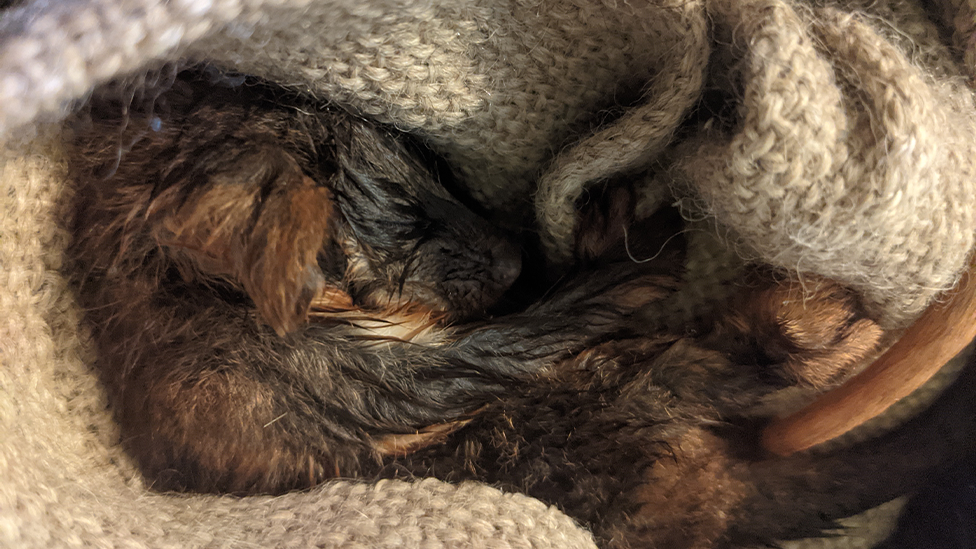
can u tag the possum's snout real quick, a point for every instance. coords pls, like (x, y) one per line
(506, 263)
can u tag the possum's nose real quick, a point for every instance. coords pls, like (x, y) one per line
(506, 262)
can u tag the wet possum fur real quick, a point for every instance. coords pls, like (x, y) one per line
(209, 223)
(281, 293)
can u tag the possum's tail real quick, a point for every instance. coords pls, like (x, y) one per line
(827, 486)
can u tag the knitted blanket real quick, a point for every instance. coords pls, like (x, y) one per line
(833, 138)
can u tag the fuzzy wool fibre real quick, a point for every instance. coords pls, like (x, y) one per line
(845, 147)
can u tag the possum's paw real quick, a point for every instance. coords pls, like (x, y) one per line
(603, 221)
(404, 444)
(608, 232)
(623, 264)
(811, 332)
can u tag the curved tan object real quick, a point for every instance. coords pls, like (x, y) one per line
(944, 330)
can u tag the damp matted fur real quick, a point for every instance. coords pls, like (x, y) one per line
(200, 279)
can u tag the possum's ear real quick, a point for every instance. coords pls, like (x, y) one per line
(259, 221)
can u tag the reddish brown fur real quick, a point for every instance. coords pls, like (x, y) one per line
(207, 220)
(944, 330)
(646, 438)
(640, 434)
(812, 328)
(274, 256)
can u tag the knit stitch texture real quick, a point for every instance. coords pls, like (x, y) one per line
(844, 148)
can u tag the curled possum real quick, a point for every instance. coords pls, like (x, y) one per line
(264, 286)
(209, 221)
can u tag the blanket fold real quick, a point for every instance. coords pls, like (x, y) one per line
(828, 137)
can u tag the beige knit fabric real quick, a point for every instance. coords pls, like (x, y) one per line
(847, 159)
(498, 87)
(848, 152)
(65, 483)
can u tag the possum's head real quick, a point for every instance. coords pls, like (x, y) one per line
(288, 204)
(405, 238)
(370, 226)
